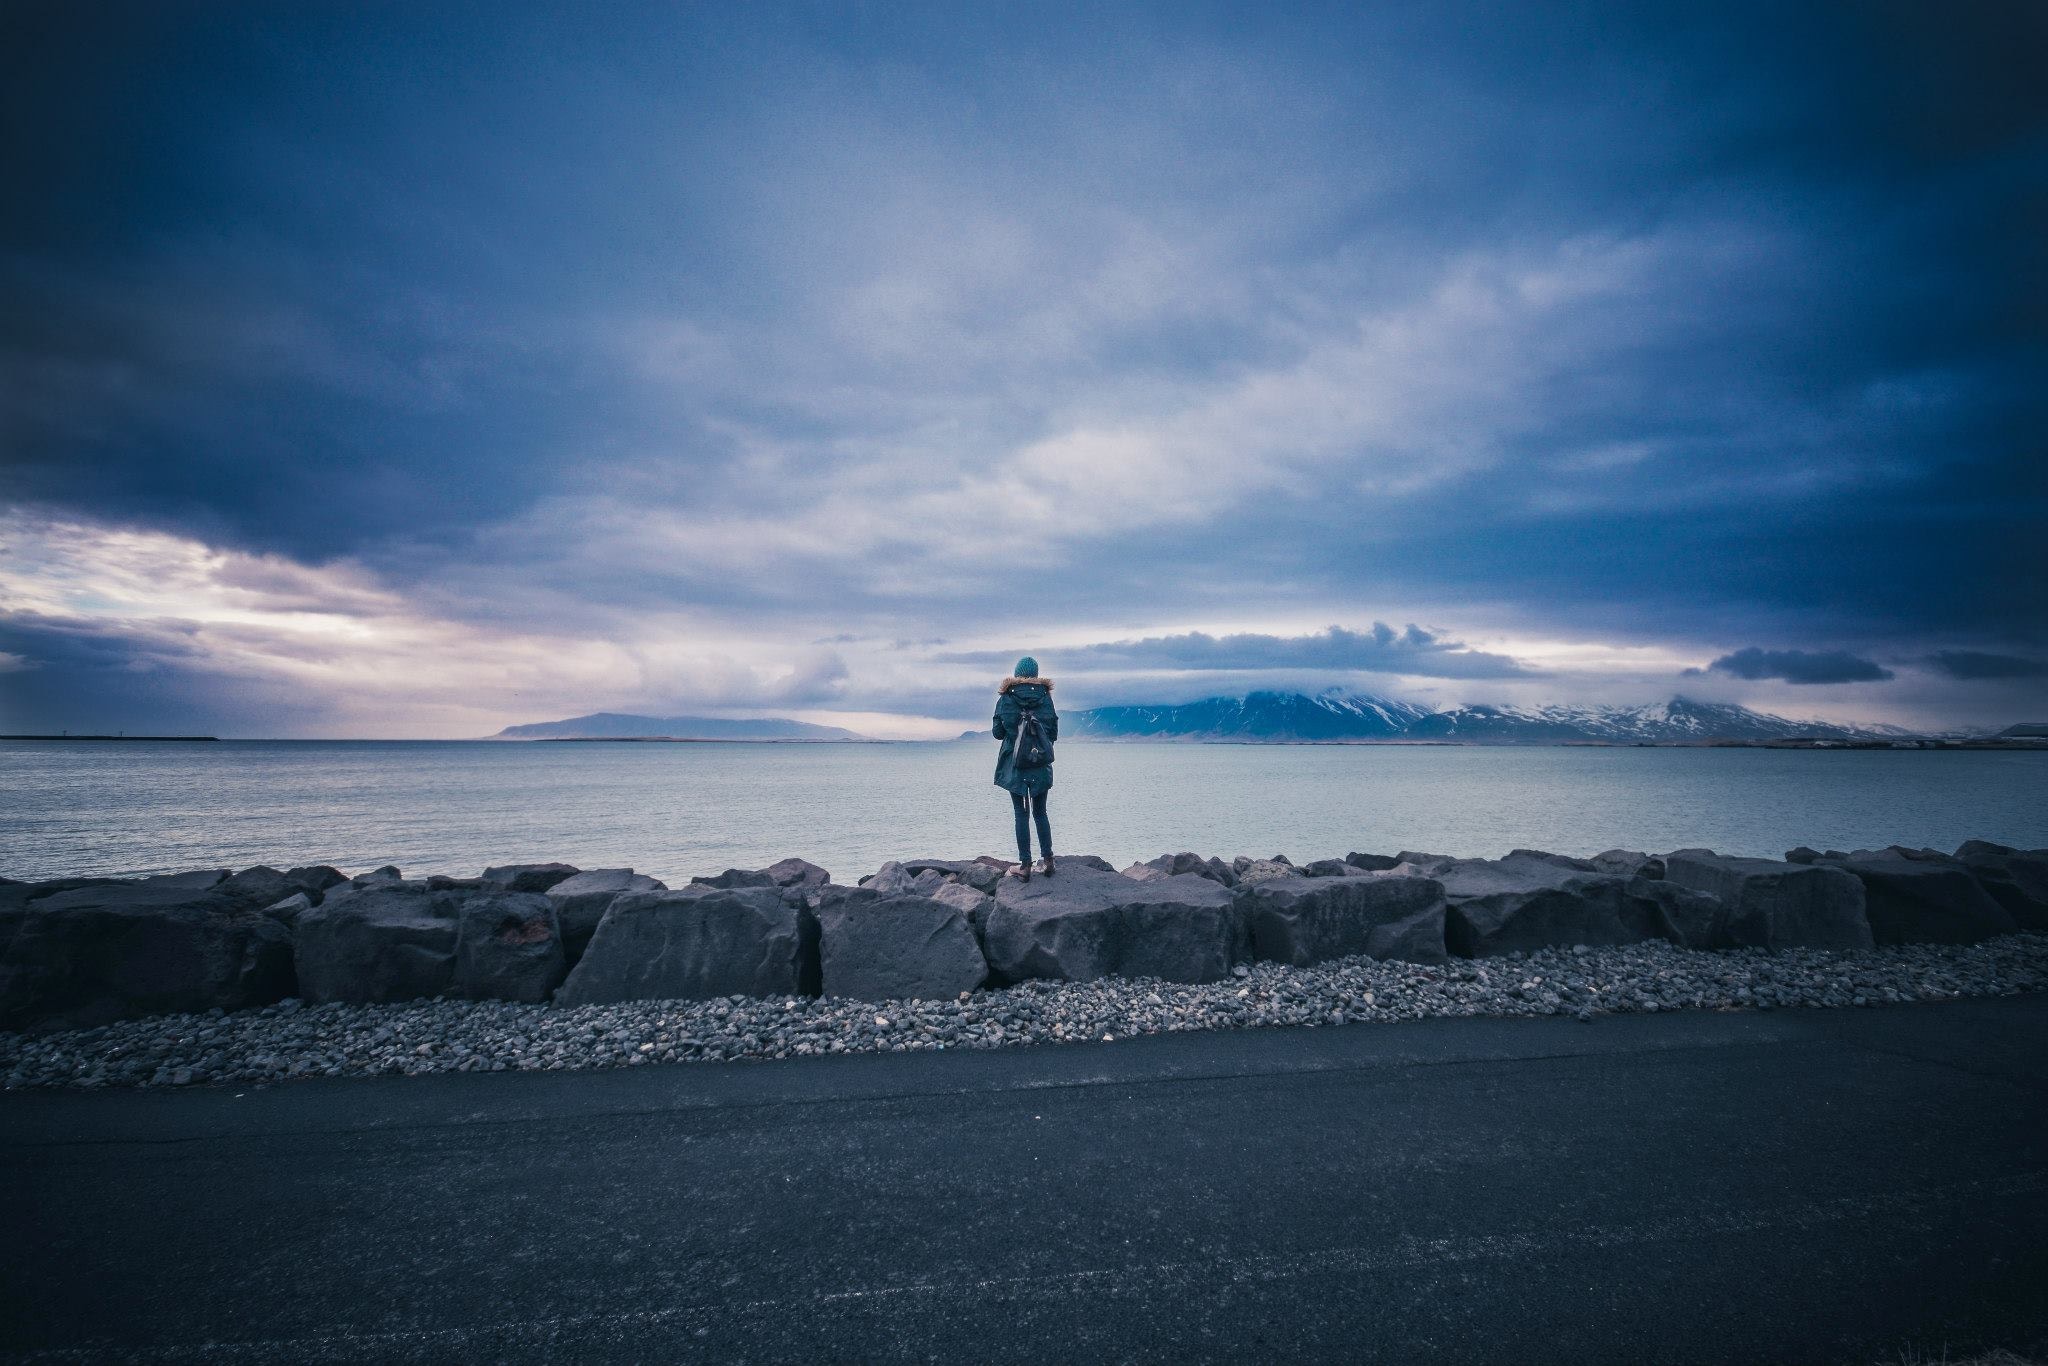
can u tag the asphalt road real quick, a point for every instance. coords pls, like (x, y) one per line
(1790, 1187)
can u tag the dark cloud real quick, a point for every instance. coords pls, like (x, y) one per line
(1978, 664)
(1382, 649)
(1663, 326)
(1798, 666)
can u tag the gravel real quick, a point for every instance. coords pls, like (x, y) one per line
(290, 1040)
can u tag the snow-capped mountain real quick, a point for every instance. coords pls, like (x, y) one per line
(1273, 717)
(1259, 716)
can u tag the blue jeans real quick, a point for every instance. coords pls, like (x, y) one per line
(1036, 806)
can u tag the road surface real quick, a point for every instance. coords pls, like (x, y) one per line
(1705, 1187)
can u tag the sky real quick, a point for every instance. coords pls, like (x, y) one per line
(415, 370)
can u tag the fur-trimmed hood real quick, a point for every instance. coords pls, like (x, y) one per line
(1013, 681)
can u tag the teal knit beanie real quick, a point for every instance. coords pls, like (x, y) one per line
(1027, 667)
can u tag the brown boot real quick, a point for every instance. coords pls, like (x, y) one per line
(1022, 870)
(1049, 869)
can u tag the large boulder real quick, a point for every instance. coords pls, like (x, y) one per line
(86, 952)
(508, 947)
(1086, 923)
(1628, 863)
(737, 877)
(899, 947)
(696, 944)
(2016, 879)
(898, 879)
(1330, 867)
(1263, 870)
(796, 872)
(1174, 865)
(314, 879)
(379, 942)
(580, 903)
(1371, 863)
(1777, 905)
(528, 877)
(980, 874)
(1528, 901)
(1309, 919)
(1913, 896)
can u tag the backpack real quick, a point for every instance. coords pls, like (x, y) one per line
(1032, 749)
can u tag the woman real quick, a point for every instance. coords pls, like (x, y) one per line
(1024, 711)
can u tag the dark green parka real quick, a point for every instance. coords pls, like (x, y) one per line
(1011, 699)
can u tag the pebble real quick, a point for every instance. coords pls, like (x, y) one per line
(292, 1039)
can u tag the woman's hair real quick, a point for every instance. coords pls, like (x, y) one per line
(1027, 667)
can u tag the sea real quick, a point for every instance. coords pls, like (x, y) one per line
(129, 808)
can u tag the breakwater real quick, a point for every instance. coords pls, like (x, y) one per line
(77, 953)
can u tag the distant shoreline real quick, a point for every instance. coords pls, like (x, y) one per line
(213, 738)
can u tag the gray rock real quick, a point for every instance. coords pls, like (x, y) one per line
(1777, 905)
(580, 903)
(976, 873)
(1300, 921)
(695, 944)
(288, 910)
(379, 942)
(1628, 863)
(508, 948)
(527, 877)
(200, 880)
(1143, 872)
(898, 948)
(1802, 854)
(1331, 867)
(1561, 860)
(970, 902)
(1530, 901)
(1087, 923)
(102, 951)
(1371, 863)
(314, 879)
(1098, 863)
(2016, 879)
(1263, 870)
(1426, 865)
(378, 877)
(737, 877)
(257, 887)
(1911, 898)
(1692, 919)
(795, 872)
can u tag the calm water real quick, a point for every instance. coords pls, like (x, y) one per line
(677, 810)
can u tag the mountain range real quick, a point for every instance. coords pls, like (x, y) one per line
(1280, 718)
(607, 725)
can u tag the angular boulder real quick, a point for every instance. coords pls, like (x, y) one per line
(1522, 902)
(1307, 920)
(796, 872)
(527, 877)
(89, 952)
(1174, 865)
(695, 944)
(898, 948)
(258, 887)
(1263, 870)
(1330, 867)
(508, 947)
(1086, 923)
(1628, 863)
(314, 879)
(1371, 863)
(2016, 879)
(384, 941)
(1777, 905)
(897, 879)
(1561, 860)
(1920, 897)
(976, 873)
(737, 877)
(580, 903)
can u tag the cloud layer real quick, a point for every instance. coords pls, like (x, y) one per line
(629, 360)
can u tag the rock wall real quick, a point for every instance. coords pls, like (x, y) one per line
(86, 951)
